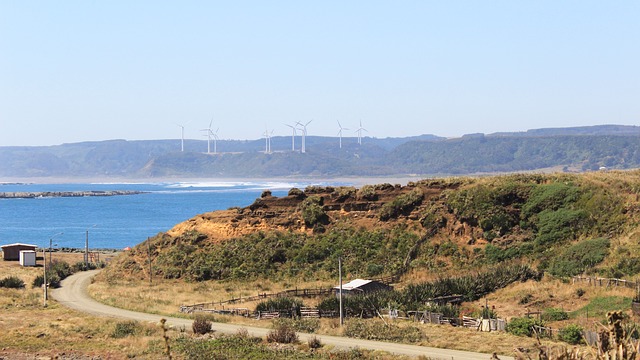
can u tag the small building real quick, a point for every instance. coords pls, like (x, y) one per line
(360, 286)
(12, 251)
(27, 258)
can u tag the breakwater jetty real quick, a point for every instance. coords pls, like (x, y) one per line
(42, 194)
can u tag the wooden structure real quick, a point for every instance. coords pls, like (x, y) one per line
(12, 251)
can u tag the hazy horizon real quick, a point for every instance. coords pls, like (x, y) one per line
(78, 71)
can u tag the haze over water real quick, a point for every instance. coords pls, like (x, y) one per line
(120, 221)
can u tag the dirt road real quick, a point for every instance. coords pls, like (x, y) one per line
(73, 294)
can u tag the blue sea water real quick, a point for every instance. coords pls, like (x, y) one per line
(115, 222)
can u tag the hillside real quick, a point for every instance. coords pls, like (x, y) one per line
(563, 224)
(567, 149)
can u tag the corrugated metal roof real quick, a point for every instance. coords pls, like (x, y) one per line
(353, 284)
(18, 244)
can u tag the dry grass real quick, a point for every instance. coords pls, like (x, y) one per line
(30, 330)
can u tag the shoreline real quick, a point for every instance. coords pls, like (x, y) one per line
(354, 180)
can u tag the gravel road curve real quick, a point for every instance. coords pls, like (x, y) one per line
(73, 294)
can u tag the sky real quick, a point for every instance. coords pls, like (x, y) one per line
(85, 70)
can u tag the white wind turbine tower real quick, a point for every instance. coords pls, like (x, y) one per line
(215, 140)
(267, 141)
(293, 137)
(359, 131)
(208, 135)
(304, 134)
(182, 135)
(340, 133)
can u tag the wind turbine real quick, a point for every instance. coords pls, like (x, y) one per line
(267, 141)
(340, 133)
(359, 131)
(215, 140)
(304, 134)
(208, 135)
(293, 137)
(182, 135)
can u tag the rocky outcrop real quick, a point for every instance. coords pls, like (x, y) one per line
(41, 194)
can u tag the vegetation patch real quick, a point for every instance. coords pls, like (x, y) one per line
(125, 328)
(600, 306)
(378, 330)
(12, 282)
(579, 257)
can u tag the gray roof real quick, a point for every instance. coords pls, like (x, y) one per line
(18, 244)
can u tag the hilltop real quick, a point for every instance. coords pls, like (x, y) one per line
(561, 223)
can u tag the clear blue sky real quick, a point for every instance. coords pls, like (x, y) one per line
(95, 70)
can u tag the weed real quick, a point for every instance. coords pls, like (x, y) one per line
(283, 333)
(125, 328)
(201, 325)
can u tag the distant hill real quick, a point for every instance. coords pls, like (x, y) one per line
(571, 149)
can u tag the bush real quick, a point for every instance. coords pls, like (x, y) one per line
(201, 325)
(554, 314)
(124, 329)
(12, 282)
(571, 334)
(579, 257)
(296, 192)
(283, 333)
(313, 212)
(280, 304)
(367, 192)
(402, 204)
(522, 326)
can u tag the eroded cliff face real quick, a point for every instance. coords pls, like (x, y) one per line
(361, 208)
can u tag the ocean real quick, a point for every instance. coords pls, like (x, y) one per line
(115, 222)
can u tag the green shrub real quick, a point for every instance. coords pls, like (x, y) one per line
(343, 193)
(523, 326)
(12, 282)
(313, 212)
(554, 314)
(283, 333)
(52, 278)
(550, 197)
(402, 204)
(280, 304)
(367, 192)
(296, 192)
(579, 257)
(571, 334)
(201, 325)
(559, 226)
(301, 325)
(125, 328)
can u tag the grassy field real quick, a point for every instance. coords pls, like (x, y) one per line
(30, 330)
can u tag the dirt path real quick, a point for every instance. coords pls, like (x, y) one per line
(73, 294)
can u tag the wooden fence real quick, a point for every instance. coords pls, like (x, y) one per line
(287, 293)
(608, 282)
(387, 280)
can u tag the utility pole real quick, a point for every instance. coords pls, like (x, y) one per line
(340, 280)
(44, 282)
(149, 252)
(86, 248)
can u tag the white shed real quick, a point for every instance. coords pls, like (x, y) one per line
(27, 258)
